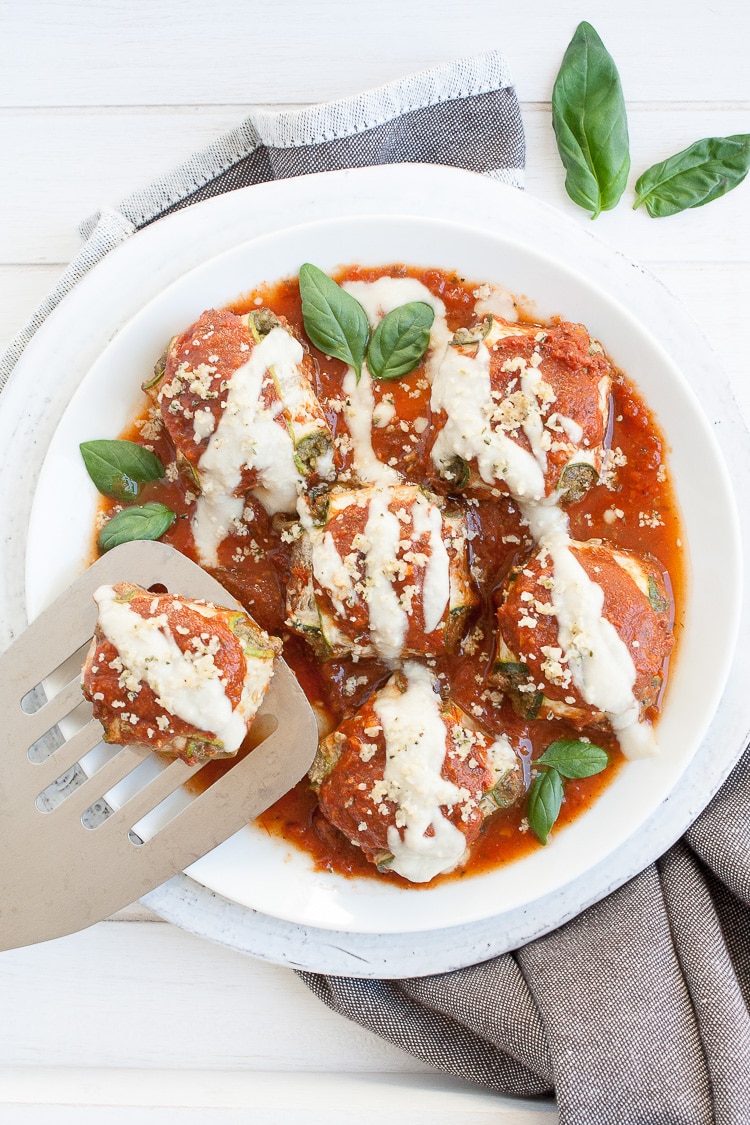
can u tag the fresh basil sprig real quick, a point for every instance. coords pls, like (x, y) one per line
(118, 468)
(338, 325)
(335, 322)
(565, 758)
(148, 521)
(695, 176)
(590, 123)
(400, 340)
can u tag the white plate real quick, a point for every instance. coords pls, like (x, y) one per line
(272, 902)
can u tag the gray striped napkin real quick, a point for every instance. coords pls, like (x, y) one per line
(463, 113)
(636, 1012)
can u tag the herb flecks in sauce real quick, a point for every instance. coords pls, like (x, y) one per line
(630, 503)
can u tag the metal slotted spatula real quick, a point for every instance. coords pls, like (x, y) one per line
(73, 845)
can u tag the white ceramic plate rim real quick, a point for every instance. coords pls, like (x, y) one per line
(404, 188)
(262, 872)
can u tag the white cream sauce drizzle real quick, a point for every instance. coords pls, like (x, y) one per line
(187, 685)
(359, 406)
(427, 519)
(388, 618)
(378, 298)
(462, 389)
(247, 436)
(384, 543)
(600, 662)
(532, 385)
(601, 665)
(415, 740)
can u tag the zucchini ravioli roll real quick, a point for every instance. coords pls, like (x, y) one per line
(180, 676)
(584, 630)
(521, 409)
(236, 396)
(380, 571)
(409, 780)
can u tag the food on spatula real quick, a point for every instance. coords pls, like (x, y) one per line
(180, 676)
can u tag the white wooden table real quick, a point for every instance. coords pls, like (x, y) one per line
(96, 98)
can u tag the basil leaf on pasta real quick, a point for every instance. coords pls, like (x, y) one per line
(400, 340)
(335, 322)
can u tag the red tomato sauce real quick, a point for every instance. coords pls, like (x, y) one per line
(638, 512)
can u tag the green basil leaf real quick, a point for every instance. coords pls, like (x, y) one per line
(149, 521)
(545, 799)
(119, 468)
(573, 758)
(335, 322)
(590, 123)
(400, 340)
(691, 178)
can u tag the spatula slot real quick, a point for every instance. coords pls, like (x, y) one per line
(33, 700)
(99, 800)
(160, 816)
(45, 746)
(52, 739)
(61, 788)
(117, 764)
(58, 679)
(138, 802)
(72, 775)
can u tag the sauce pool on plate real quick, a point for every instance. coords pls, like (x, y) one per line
(467, 564)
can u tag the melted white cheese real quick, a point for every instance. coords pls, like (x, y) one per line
(359, 406)
(572, 429)
(187, 685)
(495, 302)
(600, 662)
(533, 423)
(248, 436)
(204, 424)
(427, 520)
(378, 298)
(388, 618)
(462, 389)
(385, 546)
(415, 742)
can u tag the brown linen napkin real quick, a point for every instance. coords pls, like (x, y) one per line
(634, 1013)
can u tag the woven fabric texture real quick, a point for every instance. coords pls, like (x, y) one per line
(636, 1011)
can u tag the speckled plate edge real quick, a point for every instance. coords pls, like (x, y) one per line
(187, 238)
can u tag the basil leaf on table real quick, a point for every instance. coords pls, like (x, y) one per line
(335, 322)
(573, 758)
(590, 123)
(118, 468)
(149, 521)
(400, 340)
(545, 801)
(700, 173)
